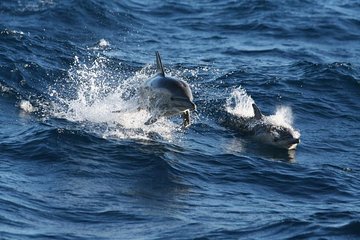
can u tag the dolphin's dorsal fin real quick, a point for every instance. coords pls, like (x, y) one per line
(159, 66)
(257, 112)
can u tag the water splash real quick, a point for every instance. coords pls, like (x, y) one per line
(93, 91)
(4, 89)
(240, 103)
(283, 117)
(102, 44)
(26, 106)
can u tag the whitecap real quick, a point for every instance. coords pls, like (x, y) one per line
(26, 106)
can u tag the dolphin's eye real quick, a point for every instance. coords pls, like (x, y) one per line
(172, 99)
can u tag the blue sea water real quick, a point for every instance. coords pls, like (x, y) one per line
(71, 169)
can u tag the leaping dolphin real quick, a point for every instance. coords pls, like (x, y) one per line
(264, 130)
(165, 96)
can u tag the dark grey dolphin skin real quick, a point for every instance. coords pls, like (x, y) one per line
(262, 129)
(164, 96)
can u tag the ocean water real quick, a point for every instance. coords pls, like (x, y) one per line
(72, 169)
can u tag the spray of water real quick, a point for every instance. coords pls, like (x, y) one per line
(26, 106)
(239, 103)
(284, 117)
(92, 92)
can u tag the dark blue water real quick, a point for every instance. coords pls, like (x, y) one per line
(71, 169)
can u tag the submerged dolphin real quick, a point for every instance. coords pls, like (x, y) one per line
(264, 130)
(165, 96)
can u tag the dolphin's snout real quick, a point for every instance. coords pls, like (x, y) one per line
(295, 141)
(193, 106)
(190, 105)
(184, 103)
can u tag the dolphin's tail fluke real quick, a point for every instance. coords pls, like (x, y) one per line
(159, 66)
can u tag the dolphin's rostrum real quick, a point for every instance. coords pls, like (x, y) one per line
(165, 96)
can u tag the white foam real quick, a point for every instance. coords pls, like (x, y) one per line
(26, 106)
(9, 32)
(4, 89)
(103, 43)
(100, 45)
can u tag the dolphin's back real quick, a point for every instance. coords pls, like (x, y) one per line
(176, 87)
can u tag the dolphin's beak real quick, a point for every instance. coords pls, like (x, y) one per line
(184, 103)
(292, 145)
(193, 106)
(190, 105)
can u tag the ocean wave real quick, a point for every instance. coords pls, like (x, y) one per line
(72, 169)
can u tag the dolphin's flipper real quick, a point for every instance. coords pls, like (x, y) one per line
(257, 112)
(186, 118)
(159, 66)
(151, 120)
